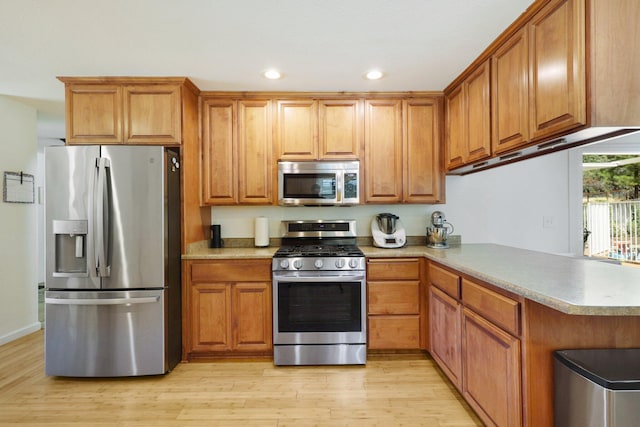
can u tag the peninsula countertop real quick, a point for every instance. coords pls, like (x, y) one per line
(571, 285)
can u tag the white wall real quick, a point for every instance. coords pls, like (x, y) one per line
(18, 227)
(508, 205)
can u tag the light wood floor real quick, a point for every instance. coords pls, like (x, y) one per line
(407, 392)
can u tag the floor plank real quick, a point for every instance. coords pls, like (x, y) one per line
(385, 392)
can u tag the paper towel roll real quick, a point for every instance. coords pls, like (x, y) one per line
(261, 232)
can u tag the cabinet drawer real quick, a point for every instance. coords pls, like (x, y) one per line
(257, 270)
(497, 308)
(394, 332)
(393, 269)
(394, 297)
(448, 282)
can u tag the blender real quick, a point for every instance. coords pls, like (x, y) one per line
(437, 235)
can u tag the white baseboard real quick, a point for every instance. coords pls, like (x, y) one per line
(20, 333)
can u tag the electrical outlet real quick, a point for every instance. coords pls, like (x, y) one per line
(547, 222)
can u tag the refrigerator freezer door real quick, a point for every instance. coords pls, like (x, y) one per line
(136, 244)
(69, 226)
(105, 333)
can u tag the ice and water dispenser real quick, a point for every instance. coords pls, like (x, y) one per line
(70, 248)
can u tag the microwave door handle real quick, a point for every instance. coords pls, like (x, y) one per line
(339, 187)
(102, 218)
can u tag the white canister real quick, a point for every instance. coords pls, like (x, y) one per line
(261, 232)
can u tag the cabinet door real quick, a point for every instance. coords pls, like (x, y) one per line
(340, 129)
(492, 383)
(456, 127)
(478, 114)
(152, 114)
(445, 334)
(252, 321)
(510, 96)
(94, 114)
(394, 332)
(211, 317)
(297, 126)
(383, 151)
(399, 297)
(423, 172)
(557, 100)
(219, 162)
(255, 168)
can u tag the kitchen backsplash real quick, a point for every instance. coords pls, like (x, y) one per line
(238, 221)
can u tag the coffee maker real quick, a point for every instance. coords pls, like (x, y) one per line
(437, 235)
(387, 231)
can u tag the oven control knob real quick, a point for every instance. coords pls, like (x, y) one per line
(340, 263)
(297, 264)
(353, 263)
(318, 264)
(284, 264)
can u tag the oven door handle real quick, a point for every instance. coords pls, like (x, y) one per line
(319, 278)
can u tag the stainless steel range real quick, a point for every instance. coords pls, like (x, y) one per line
(319, 295)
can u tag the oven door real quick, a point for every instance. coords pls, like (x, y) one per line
(319, 308)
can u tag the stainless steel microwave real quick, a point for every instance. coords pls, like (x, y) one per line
(319, 183)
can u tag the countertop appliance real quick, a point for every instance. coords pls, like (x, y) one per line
(319, 183)
(387, 231)
(112, 299)
(437, 234)
(319, 295)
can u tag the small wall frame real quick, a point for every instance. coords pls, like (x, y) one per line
(18, 188)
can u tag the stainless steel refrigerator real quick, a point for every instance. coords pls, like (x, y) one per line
(113, 281)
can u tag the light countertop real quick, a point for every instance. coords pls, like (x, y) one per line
(570, 285)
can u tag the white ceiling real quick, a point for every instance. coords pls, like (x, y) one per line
(319, 45)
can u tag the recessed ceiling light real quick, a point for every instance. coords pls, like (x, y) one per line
(271, 74)
(374, 75)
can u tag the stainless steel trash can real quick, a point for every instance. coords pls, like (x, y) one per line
(597, 388)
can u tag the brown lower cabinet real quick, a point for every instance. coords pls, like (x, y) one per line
(393, 303)
(474, 339)
(227, 308)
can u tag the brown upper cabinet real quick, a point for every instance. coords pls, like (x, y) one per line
(125, 110)
(538, 79)
(403, 161)
(324, 129)
(468, 117)
(237, 166)
(561, 72)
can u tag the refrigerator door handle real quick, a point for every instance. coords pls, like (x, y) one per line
(109, 301)
(102, 219)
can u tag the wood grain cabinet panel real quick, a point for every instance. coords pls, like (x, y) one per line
(109, 112)
(491, 371)
(211, 317)
(383, 151)
(445, 334)
(510, 94)
(468, 119)
(152, 114)
(394, 308)
(557, 88)
(318, 129)
(227, 308)
(219, 181)
(340, 129)
(255, 165)
(447, 281)
(93, 114)
(237, 165)
(422, 158)
(251, 307)
(501, 310)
